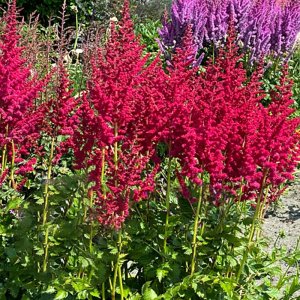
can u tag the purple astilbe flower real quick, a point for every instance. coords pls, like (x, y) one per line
(238, 9)
(286, 27)
(263, 26)
(217, 20)
(183, 13)
(256, 32)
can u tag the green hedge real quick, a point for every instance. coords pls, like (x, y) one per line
(45, 8)
(90, 10)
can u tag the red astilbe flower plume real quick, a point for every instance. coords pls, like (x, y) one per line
(126, 185)
(19, 90)
(107, 141)
(277, 145)
(60, 118)
(116, 71)
(221, 97)
(168, 106)
(235, 133)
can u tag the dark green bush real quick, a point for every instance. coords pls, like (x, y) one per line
(92, 10)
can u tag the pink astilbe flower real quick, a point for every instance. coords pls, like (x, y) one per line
(59, 112)
(108, 142)
(19, 90)
(277, 146)
(241, 144)
(170, 104)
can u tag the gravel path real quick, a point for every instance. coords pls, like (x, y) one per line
(285, 218)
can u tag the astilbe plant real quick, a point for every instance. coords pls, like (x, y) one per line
(241, 144)
(242, 149)
(263, 27)
(110, 145)
(20, 87)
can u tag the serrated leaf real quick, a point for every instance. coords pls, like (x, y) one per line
(148, 292)
(61, 295)
(83, 295)
(161, 273)
(227, 287)
(50, 290)
(13, 204)
(95, 293)
(114, 250)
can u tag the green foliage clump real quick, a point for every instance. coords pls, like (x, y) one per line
(294, 70)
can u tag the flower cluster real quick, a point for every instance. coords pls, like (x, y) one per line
(264, 27)
(241, 144)
(19, 90)
(59, 112)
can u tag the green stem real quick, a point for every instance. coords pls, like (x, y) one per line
(117, 270)
(91, 236)
(117, 267)
(121, 281)
(4, 159)
(91, 205)
(262, 211)
(167, 204)
(103, 291)
(284, 276)
(253, 227)
(240, 208)
(83, 201)
(91, 227)
(46, 206)
(12, 170)
(4, 154)
(195, 231)
(76, 30)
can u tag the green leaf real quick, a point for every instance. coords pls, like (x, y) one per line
(50, 290)
(227, 287)
(136, 297)
(61, 295)
(161, 273)
(293, 288)
(274, 293)
(95, 293)
(148, 292)
(83, 295)
(13, 204)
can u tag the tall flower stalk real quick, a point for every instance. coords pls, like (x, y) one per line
(60, 119)
(169, 171)
(111, 134)
(247, 150)
(196, 229)
(46, 206)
